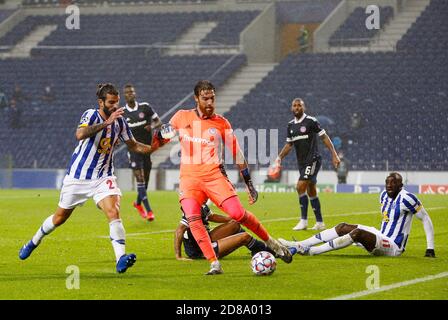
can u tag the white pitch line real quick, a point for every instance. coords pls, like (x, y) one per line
(390, 287)
(267, 220)
(142, 233)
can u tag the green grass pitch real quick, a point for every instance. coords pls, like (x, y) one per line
(83, 242)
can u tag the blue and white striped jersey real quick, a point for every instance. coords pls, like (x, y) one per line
(397, 216)
(93, 157)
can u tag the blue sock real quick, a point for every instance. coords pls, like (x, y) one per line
(315, 204)
(142, 196)
(303, 199)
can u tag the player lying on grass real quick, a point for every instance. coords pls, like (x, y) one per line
(398, 207)
(226, 238)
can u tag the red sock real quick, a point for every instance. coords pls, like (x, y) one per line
(234, 209)
(192, 211)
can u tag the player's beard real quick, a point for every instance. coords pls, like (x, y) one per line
(131, 102)
(298, 115)
(108, 111)
(207, 111)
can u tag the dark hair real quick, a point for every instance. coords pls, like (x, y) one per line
(128, 85)
(104, 89)
(203, 85)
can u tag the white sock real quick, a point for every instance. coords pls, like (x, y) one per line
(324, 236)
(46, 228)
(117, 237)
(335, 244)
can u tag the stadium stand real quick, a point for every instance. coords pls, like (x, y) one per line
(401, 96)
(428, 33)
(353, 31)
(6, 13)
(74, 74)
(134, 29)
(306, 11)
(50, 3)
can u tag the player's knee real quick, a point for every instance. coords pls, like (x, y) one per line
(302, 187)
(234, 209)
(237, 214)
(245, 238)
(234, 225)
(59, 219)
(341, 228)
(357, 235)
(344, 228)
(112, 213)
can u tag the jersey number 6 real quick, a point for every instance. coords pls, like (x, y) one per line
(308, 170)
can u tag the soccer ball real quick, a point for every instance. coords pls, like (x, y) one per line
(263, 263)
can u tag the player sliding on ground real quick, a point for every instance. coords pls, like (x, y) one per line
(226, 238)
(91, 173)
(398, 207)
(202, 133)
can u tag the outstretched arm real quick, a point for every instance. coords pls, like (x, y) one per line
(178, 234)
(335, 158)
(429, 231)
(283, 153)
(135, 146)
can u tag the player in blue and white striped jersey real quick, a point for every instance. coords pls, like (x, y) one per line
(398, 207)
(91, 173)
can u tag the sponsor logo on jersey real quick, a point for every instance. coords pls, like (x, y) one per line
(85, 120)
(202, 141)
(385, 243)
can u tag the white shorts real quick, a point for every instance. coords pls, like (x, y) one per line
(384, 246)
(75, 192)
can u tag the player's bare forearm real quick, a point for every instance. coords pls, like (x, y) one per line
(138, 147)
(335, 158)
(87, 132)
(284, 152)
(178, 234)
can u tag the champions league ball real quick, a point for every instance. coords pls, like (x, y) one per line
(263, 263)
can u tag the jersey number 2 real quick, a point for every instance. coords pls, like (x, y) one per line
(110, 183)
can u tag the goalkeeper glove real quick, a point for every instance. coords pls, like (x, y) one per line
(430, 253)
(158, 141)
(275, 169)
(166, 132)
(253, 194)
